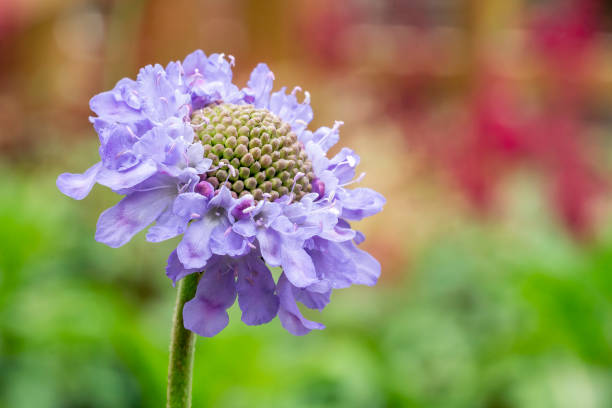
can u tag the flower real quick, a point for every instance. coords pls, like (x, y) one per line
(237, 173)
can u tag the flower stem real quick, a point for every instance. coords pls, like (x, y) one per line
(182, 347)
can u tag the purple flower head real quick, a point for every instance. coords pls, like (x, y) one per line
(237, 173)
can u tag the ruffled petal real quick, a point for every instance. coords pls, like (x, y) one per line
(324, 136)
(223, 199)
(195, 60)
(118, 180)
(210, 79)
(297, 265)
(155, 144)
(116, 151)
(367, 267)
(174, 73)
(360, 203)
(120, 105)
(286, 106)
(175, 269)
(256, 297)
(190, 205)
(167, 226)
(311, 299)
(161, 100)
(343, 165)
(259, 86)
(206, 314)
(117, 225)
(342, 264)
(194, 250)
(78, 186)
(270, 245)
(245, 227)
(196, 159)
(289, 314)
(224, 241)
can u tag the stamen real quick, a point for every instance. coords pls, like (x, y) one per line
(357, 180)
(199, 125)
(172, 146)
(335, 128)
(130, 131)
(249, 209)
(295, 179)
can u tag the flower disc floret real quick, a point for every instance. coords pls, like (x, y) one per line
(253, 152)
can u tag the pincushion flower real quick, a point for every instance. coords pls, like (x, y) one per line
(239, 175)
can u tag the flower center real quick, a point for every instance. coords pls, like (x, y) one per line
(253, 151)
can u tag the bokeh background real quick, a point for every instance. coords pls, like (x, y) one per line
(486, 124)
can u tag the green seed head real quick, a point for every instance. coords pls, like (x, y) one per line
(253, 151)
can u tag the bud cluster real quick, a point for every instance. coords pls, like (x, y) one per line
(253, 152)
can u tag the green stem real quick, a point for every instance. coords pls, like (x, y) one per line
(182, 347)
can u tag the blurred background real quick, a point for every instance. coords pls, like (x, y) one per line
(488, 127)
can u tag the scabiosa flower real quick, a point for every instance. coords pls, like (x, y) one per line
(237, 172)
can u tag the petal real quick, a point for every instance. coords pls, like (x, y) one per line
(111, 107)
(332, 263)
(154, 145)
(206, 314)
(342, 264)
(175, 269)
(190, 204)
(174, 72)
(338, 234)
(77, 186)
(256, 297)
(289, 314)
(297, 265)
(224, 241)
(312, 299)
(195, 60)
(161, 100)
(260, 85)
(167, 226)
(359, 237)
(286, 106)
(327, 137)
(343, 165)
(195, 158)
(270, 245)
(223, 199)
(117, 225)
(194, 249)
(367, 267)
(210, 79)
(360, 203)
(245, 227)
(117, 180)
(316, 154)
(116, 151)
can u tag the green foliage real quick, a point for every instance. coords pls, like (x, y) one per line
(479, 320)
